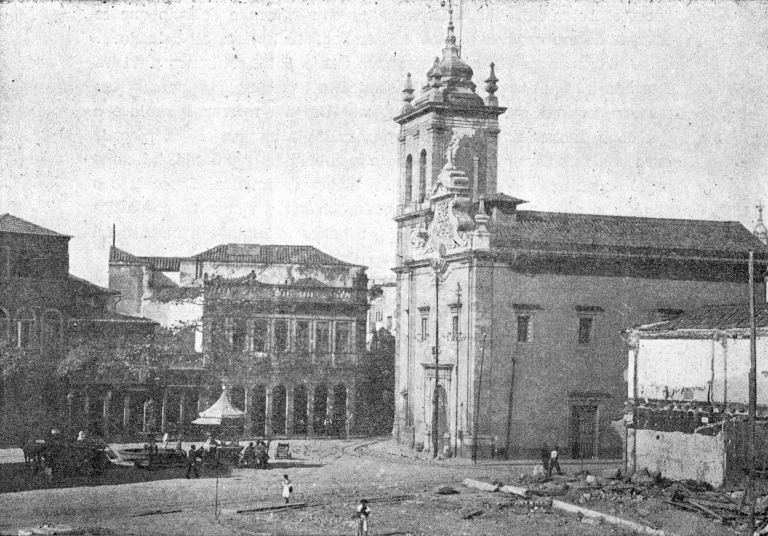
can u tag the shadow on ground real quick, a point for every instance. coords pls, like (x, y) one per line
(16, 477)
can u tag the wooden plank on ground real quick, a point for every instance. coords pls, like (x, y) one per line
(482, 486)
(637, 527)
(267, 508)
(514, 490)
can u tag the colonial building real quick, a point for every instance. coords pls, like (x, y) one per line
(44, 313)
(509, 321)
(283, 327)
(381, 313)
(688, 394)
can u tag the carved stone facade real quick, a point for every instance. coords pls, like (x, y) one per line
(509, 321)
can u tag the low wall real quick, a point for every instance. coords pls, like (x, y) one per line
(681, 456)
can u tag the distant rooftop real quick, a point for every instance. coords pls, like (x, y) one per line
(11, 224)
(558, 230)
(237, 253)
(716, 317)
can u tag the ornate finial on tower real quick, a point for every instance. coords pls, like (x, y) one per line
(761, 232)
(491, 87)
(435, 74)
(408, 94)
(450, 39)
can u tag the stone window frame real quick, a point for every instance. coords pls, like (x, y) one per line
(5, 323)
(424, 333)
(252, 334)
(59, 320)
(529, 311)
(350, 336)
(408, 190)
(455, 320)
(591, 313)
(18, 324)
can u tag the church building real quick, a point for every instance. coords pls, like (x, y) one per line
(509, 322)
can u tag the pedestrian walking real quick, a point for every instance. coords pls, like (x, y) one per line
(553, 463)
(166, 439)
(362, 518)
(287, 489)
(192, 462)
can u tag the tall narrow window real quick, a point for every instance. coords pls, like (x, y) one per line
(302, 336)
(323, 337)
(342, 337)
(5, 321)
(260, 332)
(455, 327)
(524, 328)
(51, 328)
(422, 176)
(282, 341)
(239, 335)
(25, 329)
(389, 323)
(586, 328)
(408, 180)
(5, 261)
(424, 328)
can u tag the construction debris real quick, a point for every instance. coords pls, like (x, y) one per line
(482, 486)
(514, 490)
(472, 514)
(597, 516)
(446, 490)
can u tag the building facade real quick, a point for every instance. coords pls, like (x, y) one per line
(509, 322)
(282, 327)
(688, 394)
(45, 312)
(381, 313)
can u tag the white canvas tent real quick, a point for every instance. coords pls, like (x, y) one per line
(221, 410)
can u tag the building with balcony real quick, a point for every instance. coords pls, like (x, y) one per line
(509, 321)
(282, 327)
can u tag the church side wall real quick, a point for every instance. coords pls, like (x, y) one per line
(554, 373)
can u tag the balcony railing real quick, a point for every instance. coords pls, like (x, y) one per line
(286, 293)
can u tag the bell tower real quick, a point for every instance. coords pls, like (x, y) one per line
(447, 124)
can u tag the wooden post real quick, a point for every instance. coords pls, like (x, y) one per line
(162, 410)
(752, 391)
(477, 404)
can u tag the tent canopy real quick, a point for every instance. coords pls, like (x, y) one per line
(222, 409)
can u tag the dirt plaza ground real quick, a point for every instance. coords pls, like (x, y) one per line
(329, 477)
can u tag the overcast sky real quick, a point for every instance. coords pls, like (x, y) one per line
(190, 125)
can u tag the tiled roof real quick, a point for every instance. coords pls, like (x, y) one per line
(90, 287)
(12, 224)
(255, 253)
(557, 230)
(503, 199)
(713, 317)
(164, 264)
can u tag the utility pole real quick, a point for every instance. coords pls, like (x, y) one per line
(752, 391)
(477, 404)
(436, 394)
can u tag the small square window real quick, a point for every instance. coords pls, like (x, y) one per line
(524, 328)
(586, 329)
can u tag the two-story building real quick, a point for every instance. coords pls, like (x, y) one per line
(44, 312)
(282, 327)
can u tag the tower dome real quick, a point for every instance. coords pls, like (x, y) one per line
(455, 71)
